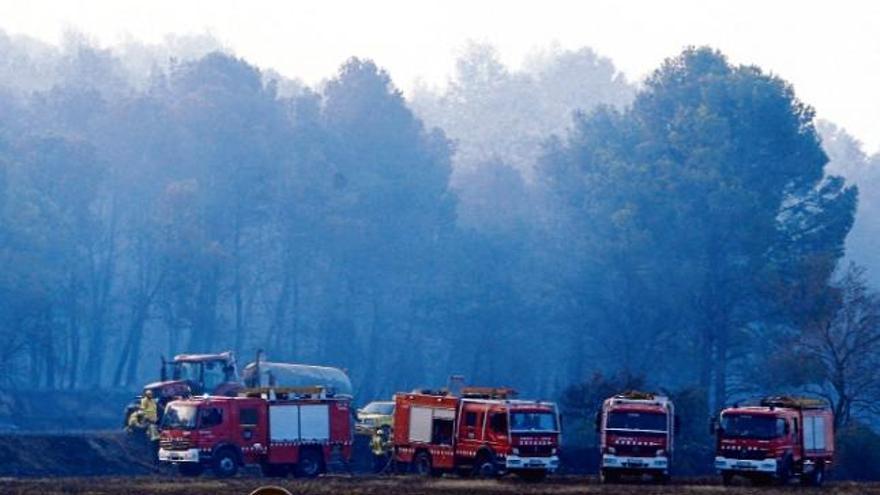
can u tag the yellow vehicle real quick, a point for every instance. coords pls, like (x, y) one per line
(374, 415)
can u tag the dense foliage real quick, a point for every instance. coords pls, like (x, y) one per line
(669, 236)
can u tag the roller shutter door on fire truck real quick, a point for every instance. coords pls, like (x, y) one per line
(814, 433)
(294, 423)
(421, 422)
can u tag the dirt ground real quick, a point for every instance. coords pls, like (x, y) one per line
(393, 485)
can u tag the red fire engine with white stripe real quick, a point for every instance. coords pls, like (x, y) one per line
(481, 431)
(776, 438)
(636, 432)
(282, 430)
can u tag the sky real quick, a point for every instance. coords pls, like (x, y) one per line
(829, 51)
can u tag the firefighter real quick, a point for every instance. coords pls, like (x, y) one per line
(149, 408)
(381, 446)
(136, 421)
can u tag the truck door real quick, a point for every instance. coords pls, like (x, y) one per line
(211, 421)
(471, 427)
(251, 431)
(498, 430)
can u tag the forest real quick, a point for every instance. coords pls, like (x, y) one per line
(555, 227)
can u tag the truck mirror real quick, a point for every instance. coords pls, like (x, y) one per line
(676, 422)
(598, 420)
(713, 426)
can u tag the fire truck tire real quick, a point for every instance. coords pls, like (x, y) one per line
(533, 476)
(661, 479)
(608, 476)
(485, 466)
(816, 477)
(190, 469)
(785, 472)
(310, 465)
(225, 463)
(422, 465)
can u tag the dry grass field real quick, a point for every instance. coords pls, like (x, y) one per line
(392, 485)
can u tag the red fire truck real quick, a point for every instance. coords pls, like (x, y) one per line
(483, 431)
(282, 430)
(775, 439)
(636, 432)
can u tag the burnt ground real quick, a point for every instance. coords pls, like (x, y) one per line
(99, 453)
(111, 453)
(113, 462)
(364, 485)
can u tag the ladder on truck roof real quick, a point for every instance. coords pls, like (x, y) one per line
(637, 397)
(312, 392)
(793, 402)
(488, 393)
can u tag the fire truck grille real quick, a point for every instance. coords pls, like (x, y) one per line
(174, 444)
(751, 454)
(536, 450)
(636, 450)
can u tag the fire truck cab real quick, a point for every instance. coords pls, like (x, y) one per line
(776, 439)
(636, 433)
(280, 430)
(482, 431)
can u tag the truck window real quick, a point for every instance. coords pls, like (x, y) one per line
(631, 420)
(470, 419)
(751, 426)
(179, 417)
(498, 422)
(533, 421)
(214, 374)
(210, 417)
(248, 416)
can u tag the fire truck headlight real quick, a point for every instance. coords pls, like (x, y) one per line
(553, 451)
(515, 451)
(661, 453)
(610, 450)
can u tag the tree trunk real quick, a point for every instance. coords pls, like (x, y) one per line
(75, 338)
(720, 372)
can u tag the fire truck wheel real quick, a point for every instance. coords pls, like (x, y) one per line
(310, 464)
(816, 477)
(485, 466)
(190, 469)
(785, 472)
(727, 479)
(661, 478)
(532, 476)
(421, 464)
(225, 463)
(608, 476)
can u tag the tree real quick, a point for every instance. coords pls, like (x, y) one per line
(848, 160)
(687, 202)
(847, 345)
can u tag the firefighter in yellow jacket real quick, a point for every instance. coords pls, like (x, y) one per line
(149, 408)
(381, 447)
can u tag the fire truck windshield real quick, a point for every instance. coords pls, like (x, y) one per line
(632, 420)
(179, 417)
(751, 426)
(532, 421)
